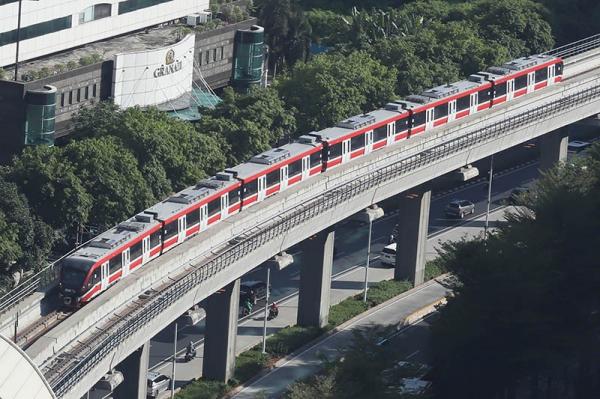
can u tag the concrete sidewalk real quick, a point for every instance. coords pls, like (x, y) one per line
(309, 361)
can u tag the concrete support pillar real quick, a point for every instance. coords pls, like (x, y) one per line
(553, 148)
(134, 369)
(222, 310)
(315, 279)
(413, 222)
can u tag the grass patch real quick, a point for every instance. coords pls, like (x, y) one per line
(434, 268)
(203, 389)
(249, 363)
(291, 338)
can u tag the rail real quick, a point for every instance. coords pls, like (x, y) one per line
(125, 327)
(576, 48)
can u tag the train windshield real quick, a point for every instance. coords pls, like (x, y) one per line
(73, 272)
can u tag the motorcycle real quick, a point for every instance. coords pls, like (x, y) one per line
(273, 313)
(190, 355)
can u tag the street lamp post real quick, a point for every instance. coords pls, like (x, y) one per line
(489, 198)
(373, 213)
(264, 342)
(174, 362)
(18, 39)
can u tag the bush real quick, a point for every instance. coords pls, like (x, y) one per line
(434, 268)
(291, 338)
(248, 364)
(386, 290)
(344, 311)
(203, 389)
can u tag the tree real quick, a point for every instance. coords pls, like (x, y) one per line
(332, 87)
(249, 123)
(110, 174)
(524, 314)
(103, 119)
(52, 187)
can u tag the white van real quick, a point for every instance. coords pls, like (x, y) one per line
(388, 255)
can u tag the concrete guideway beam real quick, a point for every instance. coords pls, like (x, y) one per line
(221, 331)
(134, 369)
(315, 279)
(553, 148)
(413, 221)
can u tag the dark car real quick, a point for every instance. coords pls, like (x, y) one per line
(252, 291)
(459, 208)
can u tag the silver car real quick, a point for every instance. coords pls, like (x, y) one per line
(157, 383)
(459, 208)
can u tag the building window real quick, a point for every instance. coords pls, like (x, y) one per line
(62, 99)
(36, 30)
(214, 54)
(78, 95)
(70, 97)
(222, 52)
(207, 56)
(94, 90)
(199, 56)
(87, 92)
(95, 12)
(134, 5)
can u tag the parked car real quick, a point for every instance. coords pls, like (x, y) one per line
(157, 383)
(459, 208)
(252, 291)
(388, 255)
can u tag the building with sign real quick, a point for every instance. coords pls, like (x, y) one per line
(162, 66)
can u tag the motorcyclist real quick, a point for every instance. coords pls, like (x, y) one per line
(190, 350)
(273, 310)
(248, 306)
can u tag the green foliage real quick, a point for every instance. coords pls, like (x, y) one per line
(524, 313)
(332, 87)
(248, 123)
(89, 59)
(434, 268)
(320, 386)
(573, 19)
(203, 389)
(3, 74)
(344, 311)
(291, 338)
(249, 363)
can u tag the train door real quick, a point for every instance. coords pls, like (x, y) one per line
(345, 151)
(368, 141)
(451, 110)
(305, 167)
(104, 276)
(473, 103)
(429, 118)
(262, 187)
(510, 89)
(283, 177)
(530, 82)
(145, 249)
(203, 216)
(551, 73)
(391, 128)
(181, 229)
(125, 262)
(224, 206)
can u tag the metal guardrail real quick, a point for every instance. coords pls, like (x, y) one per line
(576, 48)
(244, 244)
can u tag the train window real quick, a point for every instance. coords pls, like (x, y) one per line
(559, 68)
(463, 103)
(295, 168)
(155, 239)
(95, 278)
(114, 264)
(380, 133)
(234, 196)
(193, 217)
(441, 111)
(521, 82)
(273, 178)
(335, 150)
(541, 75)
(418, 118)
(214, 207)
(357, 142)
(250, 187)
(135, 251)
(171, 229)
(484, 96)
(500, 90)
(401, 125)
(315, 159)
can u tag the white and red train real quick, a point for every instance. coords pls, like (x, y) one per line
(92, 268)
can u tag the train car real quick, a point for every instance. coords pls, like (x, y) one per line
(101, 262)
(194, 209)
(277, 169)
(522, 76)
(361, 134)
